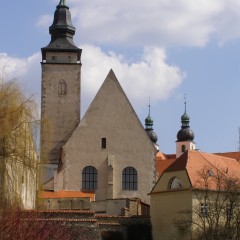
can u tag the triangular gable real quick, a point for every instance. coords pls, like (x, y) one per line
(112, 110)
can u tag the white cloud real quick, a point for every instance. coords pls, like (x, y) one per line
(155, 22)
(228, 22)
(25, 70)
(149, 76)
(10, 65)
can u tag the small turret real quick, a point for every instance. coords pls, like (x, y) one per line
(185, 135)
(149, 126)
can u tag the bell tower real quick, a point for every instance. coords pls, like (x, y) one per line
(60, 97)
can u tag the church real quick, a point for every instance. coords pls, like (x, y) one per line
(108, 163)
(106, 155)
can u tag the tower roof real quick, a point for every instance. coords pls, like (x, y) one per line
(149, 126)
(62, 32)
(185, 133)
(148, 120)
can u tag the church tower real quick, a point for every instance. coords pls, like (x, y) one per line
(60, 97)
(185, 135)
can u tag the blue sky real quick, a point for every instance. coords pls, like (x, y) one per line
(160, 49)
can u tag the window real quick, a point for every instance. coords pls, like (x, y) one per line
(62, 88)
(104, 143)
(175, 183)
(129, 179)
(53, 58)
(89, 178)
(183, 148)
(210, 172)
(204, 209)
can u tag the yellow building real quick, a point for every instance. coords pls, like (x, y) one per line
(191, 196)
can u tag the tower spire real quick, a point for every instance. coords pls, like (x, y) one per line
(62, 32)
(149, 107)
(185, 134)
(149, 125)
(62, 3)
(148, 120)
(185, 102)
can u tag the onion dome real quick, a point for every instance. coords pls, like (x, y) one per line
(152, 135)
(149, 122)
(185, 133)
(62, 32)
(149, 127)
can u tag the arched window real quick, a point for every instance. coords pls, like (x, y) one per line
(183, 148)
(89, 178)
(175, 183)
(62, 88)
(129, 179)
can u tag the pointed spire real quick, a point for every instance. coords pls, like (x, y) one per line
(185, 102)
(149, 107)
(148, 120)
(149, 125)
(185, 134)
(62, 3)
(185, 119)
(62, 23)
(62, 32)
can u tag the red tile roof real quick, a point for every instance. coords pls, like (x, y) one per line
(66, 194)
(235, 155)
(195, 162)
(163, 161)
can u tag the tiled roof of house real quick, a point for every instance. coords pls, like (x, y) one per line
(195, 162)
(163, 161)
(235, 155)
(66, 194)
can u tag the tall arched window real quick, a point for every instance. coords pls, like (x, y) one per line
(129, 179)
(89, 178)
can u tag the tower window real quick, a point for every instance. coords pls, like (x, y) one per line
(129, 179)
(89, 178)
(183, 148)
(104, 143)
(62, 88)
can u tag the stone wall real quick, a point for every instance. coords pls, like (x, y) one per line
(89, 225)
(64, 204)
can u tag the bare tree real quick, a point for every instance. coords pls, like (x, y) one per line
(215, 212)
(16, 224)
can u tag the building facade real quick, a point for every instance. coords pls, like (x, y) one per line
(108, 152)
(197, 194)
